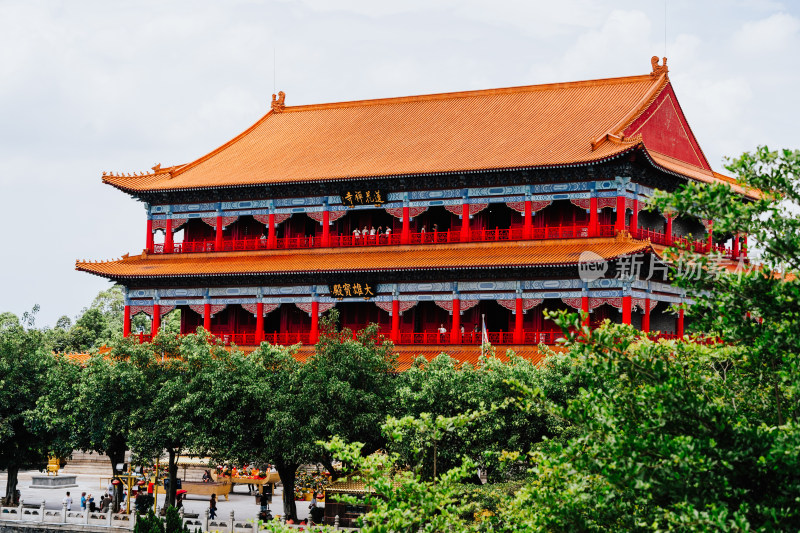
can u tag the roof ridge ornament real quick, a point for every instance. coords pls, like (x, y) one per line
(278, 103)
(658, 70)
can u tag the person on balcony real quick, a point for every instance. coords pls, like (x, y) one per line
(442, 333)
(356, 235)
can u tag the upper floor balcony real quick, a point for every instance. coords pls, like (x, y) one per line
(497, 223)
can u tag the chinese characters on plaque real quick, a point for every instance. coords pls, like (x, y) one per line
(349, 290)
(371, 197)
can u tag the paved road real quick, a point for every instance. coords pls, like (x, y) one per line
(242, 504)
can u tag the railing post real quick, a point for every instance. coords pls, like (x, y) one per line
(619, 222)
(86, 514)
(41, 512)
(405, 235)
(168, 243)
(395, 320)
(314, 322)
(668, 232)
(205, 519)
(326, 227)
(272, 241)
(626, 310)
(109, 514)
(135, 516)
(63, 511)
(150, 245)
(259, 325)
(465, 236)
(156, 323)
(526, 232)
(231, 529)
(218, 233)
(585, 309)
(126, 322)
(455, 333)
(336, 522)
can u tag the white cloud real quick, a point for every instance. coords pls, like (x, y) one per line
(775, 33)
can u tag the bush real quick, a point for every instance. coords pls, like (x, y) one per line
(149, 523)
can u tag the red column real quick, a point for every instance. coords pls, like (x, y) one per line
(405, 235)
(646, 317)
(710, 235)
(150, 244)
(680, 323)
(735, 250)
(126, 322)
(626, 309)
(314, 321)
(585, 308)
(156, 320)
(326, 228)
(619, 223)
(594, 222)
(519, 334)
(744, 246)
(272, 240)
(207, 317)
(395, 320)
(455, 332)
(465, 222)
(668, 231)
(635, 217)
(259, 322)
(168, 236)
(528, 231)
(218, 235)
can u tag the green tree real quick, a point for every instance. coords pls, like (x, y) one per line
(161, 420)
(268, 407)
(445, 388)
(24, 372)
(756, 307)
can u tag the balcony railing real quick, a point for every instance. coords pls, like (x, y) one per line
(406, 338)
(394, 239)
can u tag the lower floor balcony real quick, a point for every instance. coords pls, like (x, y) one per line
(426, 338)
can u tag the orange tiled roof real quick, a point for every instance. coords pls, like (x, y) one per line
(697, 173)
(529, 126)
(444, 256)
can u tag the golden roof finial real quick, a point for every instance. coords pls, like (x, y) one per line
(278, 103)
(157, 168)
(658, 70)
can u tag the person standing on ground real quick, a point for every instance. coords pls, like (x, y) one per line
(68, 501)
(83, 501)
(212, 507)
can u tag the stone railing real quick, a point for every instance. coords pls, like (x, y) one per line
(38, 514)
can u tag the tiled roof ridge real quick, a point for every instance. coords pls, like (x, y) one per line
(615, 132)
(467, 94)
(157, 170)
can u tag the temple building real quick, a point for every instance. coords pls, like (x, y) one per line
(427, 215)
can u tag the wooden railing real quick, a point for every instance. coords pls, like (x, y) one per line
(406, 338)
(573, 231)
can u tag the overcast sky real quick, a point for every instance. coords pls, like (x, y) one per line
(93, 86)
